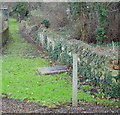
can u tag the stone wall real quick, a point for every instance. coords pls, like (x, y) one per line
(5, 36)
(97, 65)
(4, 27)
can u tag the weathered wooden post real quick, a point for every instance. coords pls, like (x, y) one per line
(74, 82)
(75, 78)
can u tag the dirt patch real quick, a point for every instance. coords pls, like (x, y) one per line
(17, 106)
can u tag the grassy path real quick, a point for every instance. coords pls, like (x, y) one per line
(20, 79)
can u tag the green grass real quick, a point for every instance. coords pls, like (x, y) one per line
(21, 80)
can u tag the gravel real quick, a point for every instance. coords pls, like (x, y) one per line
(17, 106)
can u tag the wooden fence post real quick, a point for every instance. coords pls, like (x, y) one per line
(74, 82)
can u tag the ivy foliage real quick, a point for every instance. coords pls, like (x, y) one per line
(102, 22)
(57, 50)
(65, 58)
